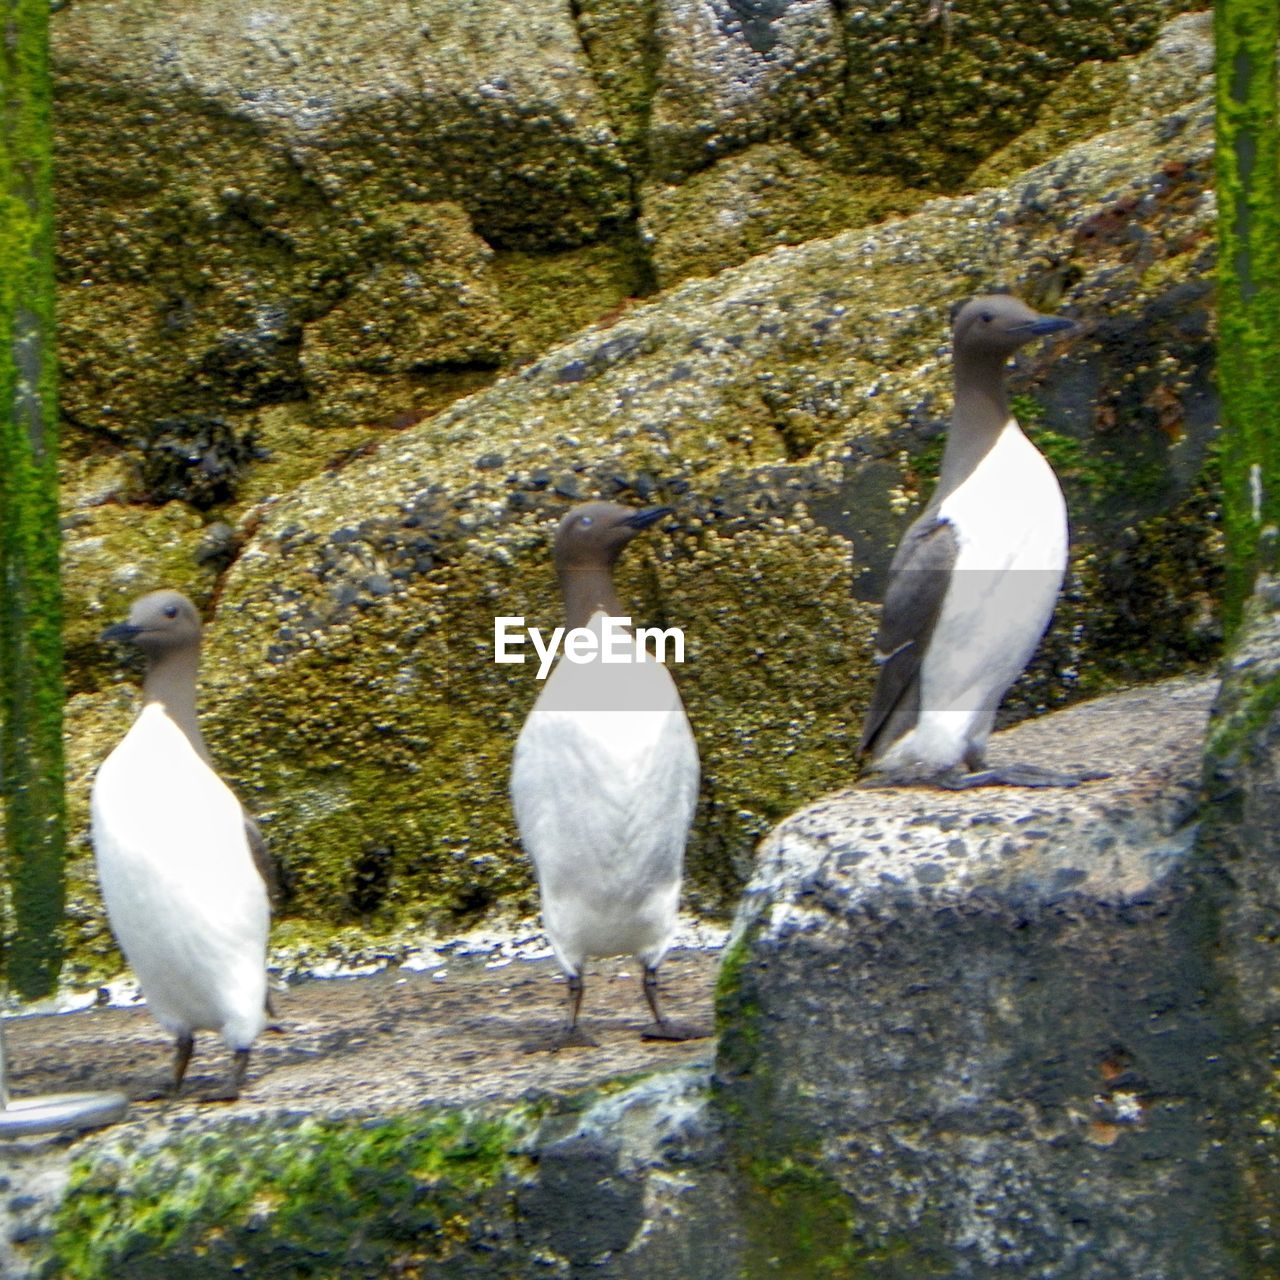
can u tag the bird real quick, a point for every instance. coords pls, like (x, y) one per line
(604, 781)
(975, 579)
(181, 865)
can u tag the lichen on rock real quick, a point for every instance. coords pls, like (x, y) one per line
(754, 200)
(430, 305)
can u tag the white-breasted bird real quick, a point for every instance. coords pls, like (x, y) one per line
(604, 780)
(180, 863)
(974, 581)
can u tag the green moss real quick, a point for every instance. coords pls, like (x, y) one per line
(552, 295)
(31, 610)
(984, 69)
(1250, 694)
(1247, 161)
(748, 203)
(800, 1224)
(324, 1198)
(1254, 709)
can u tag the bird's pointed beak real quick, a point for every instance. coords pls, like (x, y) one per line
(645, 517)
(1048, 324)
(121, 633)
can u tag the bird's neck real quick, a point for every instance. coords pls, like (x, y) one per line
(587, 590)
(170, 683)
(980, 414)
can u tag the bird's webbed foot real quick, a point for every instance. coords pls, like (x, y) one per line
(562, 1038)
(668, 1030)
(1016, 775)
(569, 1036)
(663, 1028)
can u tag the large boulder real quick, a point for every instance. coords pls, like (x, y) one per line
(985, 1025)
(232, 175)
(1240, 877)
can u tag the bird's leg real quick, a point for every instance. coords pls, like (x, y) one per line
(573, 1037)
(182, 1048)
(273, 1016)
(570, 1036)
(1017, 775)
(239, 1070)
(660, 1028)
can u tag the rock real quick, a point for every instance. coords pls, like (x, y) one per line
(186, 286)
(430, 306)
(986, 1022)
(465, 1193)
(495, 109)
(1239, 860)
(1097, 96)
(195, 458)
(752, 201)
(928, 100)
(734, 72)
(405, 1093)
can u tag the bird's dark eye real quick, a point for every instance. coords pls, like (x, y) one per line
(584, 521)
(171, 611)
(987, 317)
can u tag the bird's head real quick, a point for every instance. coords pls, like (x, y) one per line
(592, 535)
(158, 623)
(997, 324)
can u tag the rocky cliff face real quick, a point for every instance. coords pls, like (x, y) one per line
(790, 408)
(232, 174)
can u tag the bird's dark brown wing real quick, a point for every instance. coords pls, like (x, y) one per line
(267, 870)
(918, 581)
(262, 860)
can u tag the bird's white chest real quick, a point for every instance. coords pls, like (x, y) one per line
(185, 900)
(1010, 526)
(604, 784)
(169, 835)
(1009, 513)
(154, 788)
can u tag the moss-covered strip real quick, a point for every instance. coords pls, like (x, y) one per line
(1247, 33)
(280, 1197)
(30, 612)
